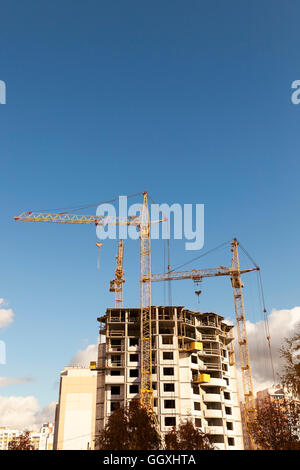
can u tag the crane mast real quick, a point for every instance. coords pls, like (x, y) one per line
(237, 286)
(235, 274)
(116, 285)
(145, 326)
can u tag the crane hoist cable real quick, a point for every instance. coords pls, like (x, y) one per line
(87, 206)
(263, 306)
(201, 256)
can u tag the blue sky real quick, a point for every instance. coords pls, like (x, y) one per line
(189, 100)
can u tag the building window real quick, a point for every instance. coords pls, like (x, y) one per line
(196, 390)
(167, 340)
(115, 342)
(114, 405)
(214, 422)
(154, 385)
(227, 395)
(198, 422)
(168, 370)
(115, 372)
(229, 425)
(167, 355)
(169, 403)
(194, 359)
(153, 370)
(115, 390)
(197, 406)
(228, 410)
(133, 372)
(133, 389)
(230, 441)
(134, 357)
(215, 439)
(133, 341)
(116, 360)
(155, 402)
(169, 387)
(170, 421)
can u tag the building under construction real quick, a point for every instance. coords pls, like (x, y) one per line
(193, 370)
(178, 362)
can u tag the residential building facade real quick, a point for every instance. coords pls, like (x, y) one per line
(193, 370)
(75, 411)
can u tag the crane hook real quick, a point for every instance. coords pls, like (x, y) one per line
(98, 258)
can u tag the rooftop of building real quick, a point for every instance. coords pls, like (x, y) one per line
(181, 310)
(76, 371)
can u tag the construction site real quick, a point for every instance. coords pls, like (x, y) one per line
(180, 364)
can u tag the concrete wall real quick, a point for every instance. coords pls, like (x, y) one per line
(76, 411)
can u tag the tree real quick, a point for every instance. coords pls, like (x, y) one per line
(187, 437)
(21, 442)
(290, 351)
(276, 425)
(129, 428)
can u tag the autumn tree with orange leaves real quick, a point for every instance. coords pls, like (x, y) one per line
(129, 428)
(22, 442)
(276, 425)
(187, 437)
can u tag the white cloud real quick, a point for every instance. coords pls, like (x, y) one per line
(282, 324)
(24, 412)
(6, 315)
(83, 357)
(46, 414)
(6, 381)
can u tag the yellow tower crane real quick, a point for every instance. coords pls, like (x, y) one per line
(116, 285)
(143, 224)
(235, 275)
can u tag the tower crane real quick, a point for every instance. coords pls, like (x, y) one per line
(235, 275)
(116, 285)
(143, 224)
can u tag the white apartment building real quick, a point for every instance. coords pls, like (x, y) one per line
(274, 393)
(46, 437)
(6, 435)
(193, 370)
(42, 440)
